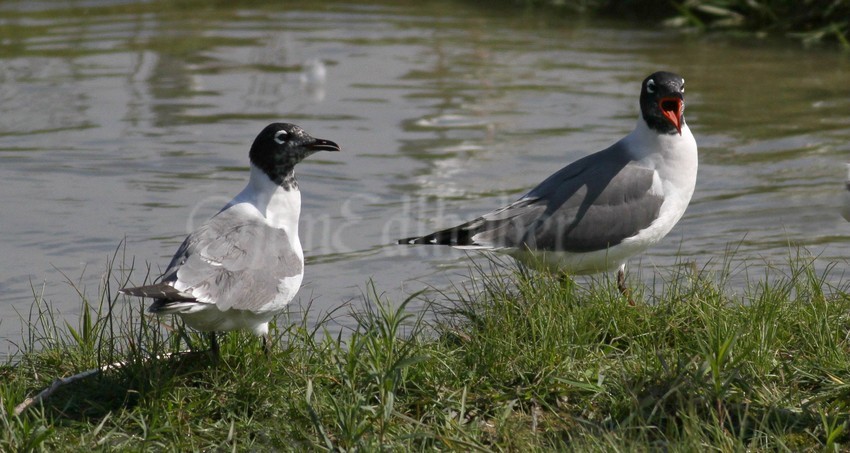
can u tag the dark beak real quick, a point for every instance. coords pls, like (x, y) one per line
(323, 145)
(673, 108)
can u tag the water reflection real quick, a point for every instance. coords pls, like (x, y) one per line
(845, 205)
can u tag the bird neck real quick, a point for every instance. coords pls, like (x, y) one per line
(279, 204)
(644, 141)
(280, 170)
(262, 182)
(283, 177)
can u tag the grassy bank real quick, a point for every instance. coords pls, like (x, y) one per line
(811, 21)
(516, 361)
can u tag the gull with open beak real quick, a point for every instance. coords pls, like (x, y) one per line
(597, 212)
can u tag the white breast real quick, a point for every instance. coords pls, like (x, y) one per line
(675, 161)
(279, 208)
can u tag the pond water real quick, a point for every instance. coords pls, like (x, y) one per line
(132, 121)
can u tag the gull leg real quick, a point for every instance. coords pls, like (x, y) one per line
(214, 344)
(621, 285)
(267, 345)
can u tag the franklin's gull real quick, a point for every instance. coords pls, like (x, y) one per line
(245, 264)
(598, 211)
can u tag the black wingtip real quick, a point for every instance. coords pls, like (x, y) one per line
(452, 236)
(157, 291)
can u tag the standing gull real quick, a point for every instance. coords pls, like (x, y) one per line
(241, 267)
(595, 213)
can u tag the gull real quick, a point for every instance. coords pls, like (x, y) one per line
(597, 212)
(245, 264)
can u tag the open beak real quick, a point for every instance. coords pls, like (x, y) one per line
(323, 145)
(673, 108)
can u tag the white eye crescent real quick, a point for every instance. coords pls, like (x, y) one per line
(280, 137)
(650, 86)
(683, 85)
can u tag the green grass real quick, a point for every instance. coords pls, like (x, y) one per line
(515, 361)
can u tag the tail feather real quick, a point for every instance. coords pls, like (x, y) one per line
(158, 291)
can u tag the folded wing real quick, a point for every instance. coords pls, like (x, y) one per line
(232, 261)
(594, 203)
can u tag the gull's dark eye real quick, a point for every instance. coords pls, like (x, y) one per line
(280, 136)
(650, 86)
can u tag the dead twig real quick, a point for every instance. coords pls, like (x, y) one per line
(60, 382)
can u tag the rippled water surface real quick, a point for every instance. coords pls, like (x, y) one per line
(133, 121)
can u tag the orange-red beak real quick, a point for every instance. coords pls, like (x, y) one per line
(673, 108)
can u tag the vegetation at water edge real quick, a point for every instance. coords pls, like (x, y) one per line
(514, 361)
(811, 21)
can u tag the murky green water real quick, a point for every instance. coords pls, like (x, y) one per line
(133, 121)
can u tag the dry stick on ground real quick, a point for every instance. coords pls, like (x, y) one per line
(58, 383)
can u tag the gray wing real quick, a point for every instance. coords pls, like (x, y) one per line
(234, 262)
(594, 203)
